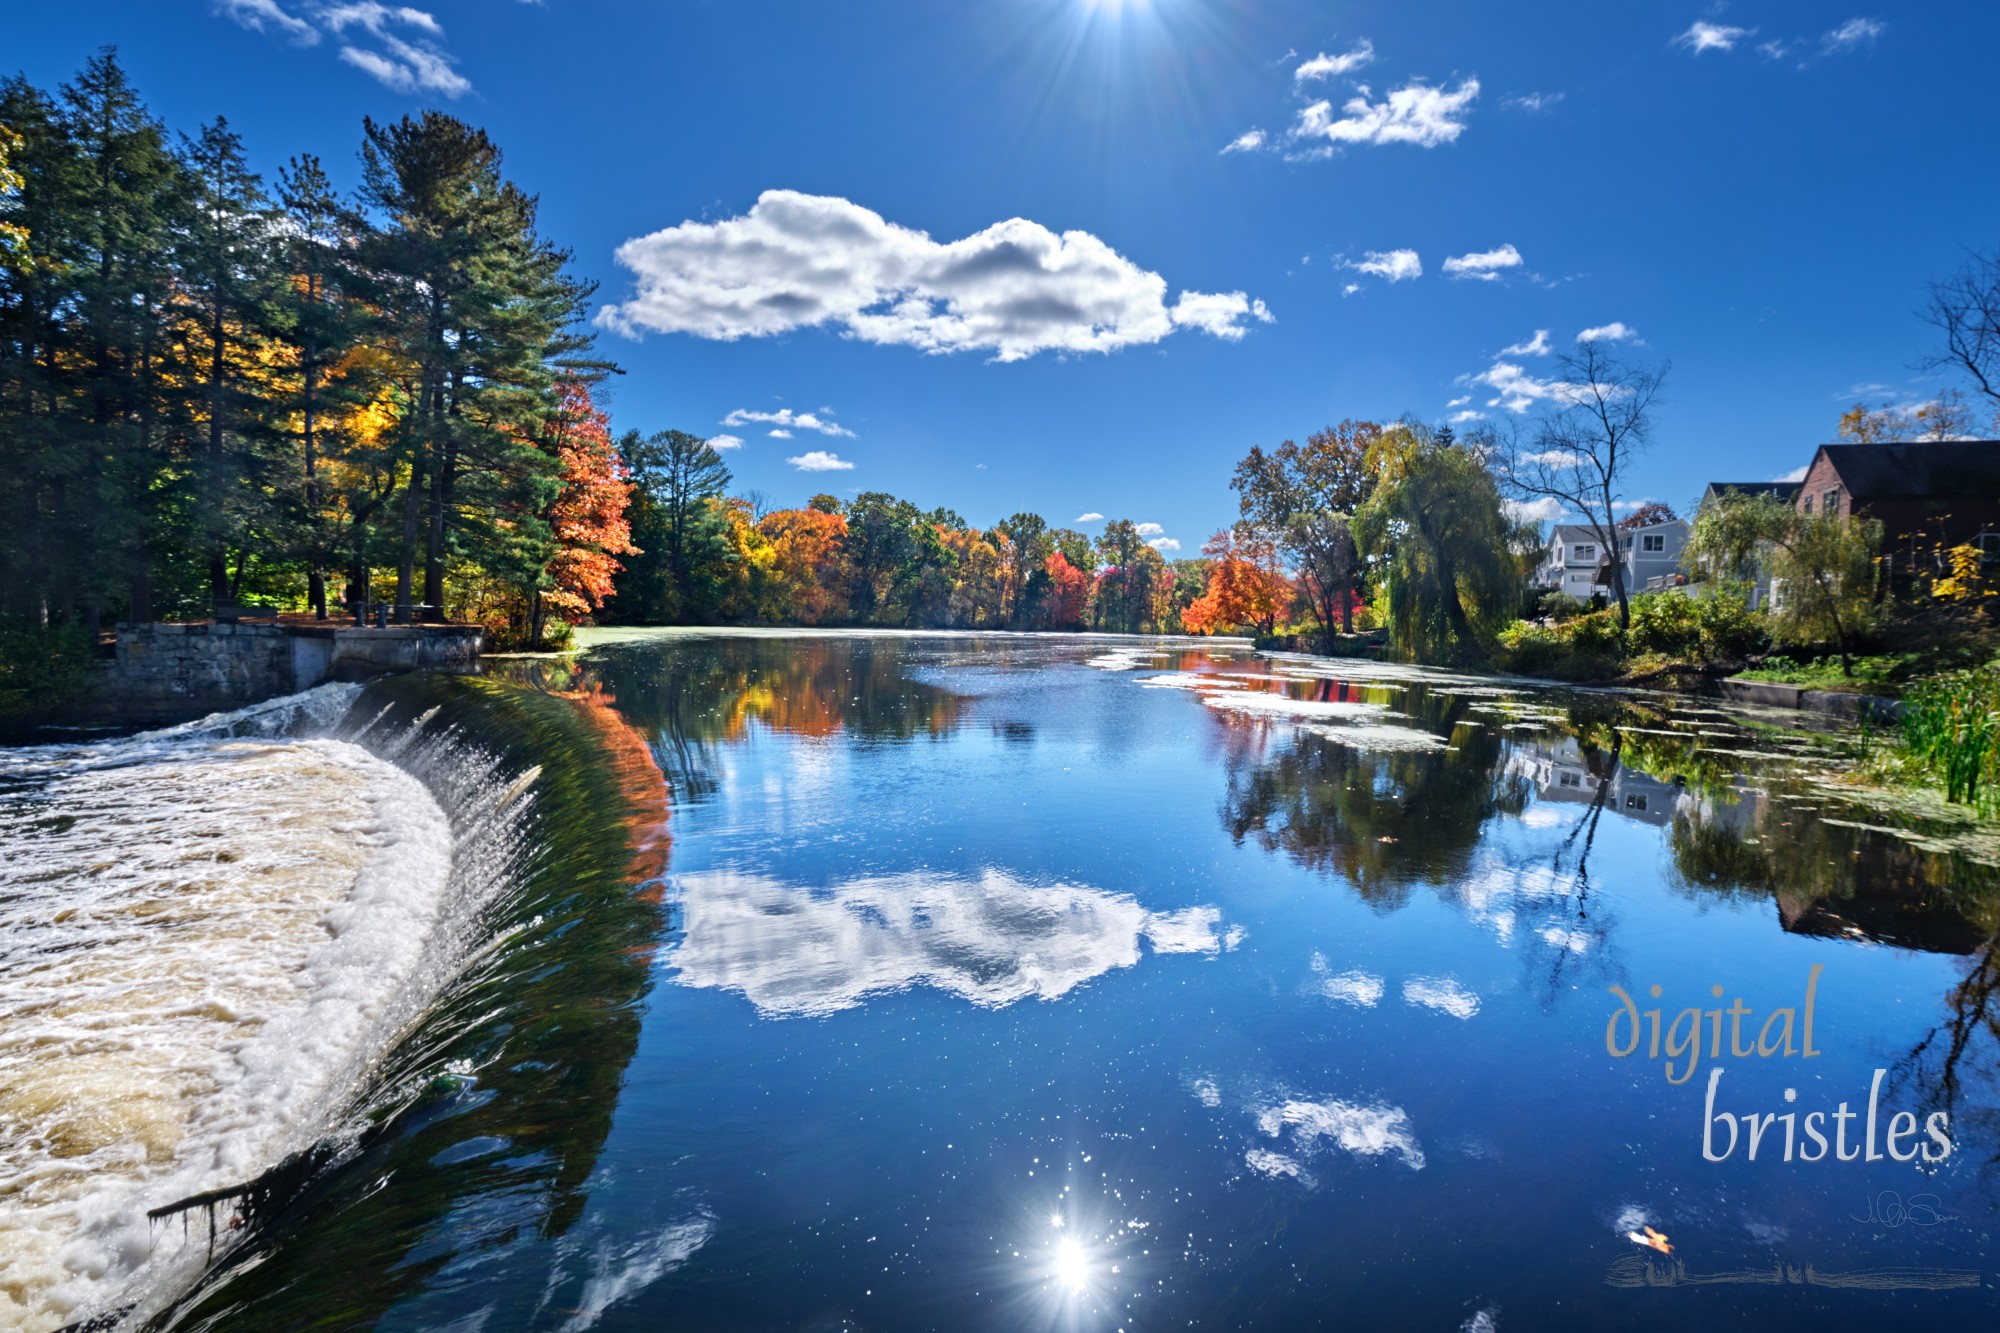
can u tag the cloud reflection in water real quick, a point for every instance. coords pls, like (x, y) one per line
(990, 939)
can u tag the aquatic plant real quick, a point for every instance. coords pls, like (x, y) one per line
(1951, 724)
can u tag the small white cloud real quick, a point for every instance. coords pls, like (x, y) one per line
(798, 261)
(1324, 66)
(1851, 34)
(267, 16)
(405, 66)
(1092, 517)
(787, 418)
(1535, 346)
(1544, 510)
(1632, 504)
(1460, 418)
(1416, 113)
(1148, 529)
(1391, 265)
(819, 460)
(1483, 265)
(1617, 331)
(1350, 289)
(1460, 401)
(724, 442)
(780, 433)
(1247, 142)
(1164, 544)
(1705, 36)
(1532, 102)
(1219, 314)
(1796, 474)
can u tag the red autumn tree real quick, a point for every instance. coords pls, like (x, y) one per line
(587, 518)
(1066, 604)
(1245, 587)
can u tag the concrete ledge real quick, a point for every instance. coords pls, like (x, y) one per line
(1833, 703)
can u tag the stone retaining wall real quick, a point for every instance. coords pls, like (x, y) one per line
(164, 671)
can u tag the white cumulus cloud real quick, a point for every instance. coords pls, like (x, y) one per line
(1324, 66)
(1704, 36)
(819, 460)
(807, 261)
(1483, 265)
(1148, 529)
(1617, 331)
(1247, 142)
(1544, 510)
(789, 419)
(1092, 517)
(1535, 346)
(1164, 544)
(1391, 265)
(1416, 113)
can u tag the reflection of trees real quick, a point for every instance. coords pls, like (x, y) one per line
(1381, 820)
(1962, 1050)
(690, 695)
(1835, 879)
(454, 1165)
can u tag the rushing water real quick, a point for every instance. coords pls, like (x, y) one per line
(985, 984)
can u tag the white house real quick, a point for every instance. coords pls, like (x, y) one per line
(1577, 562)
(1570, 563)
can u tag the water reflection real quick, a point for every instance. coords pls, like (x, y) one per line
(992, 940)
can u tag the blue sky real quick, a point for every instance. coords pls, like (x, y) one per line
(1757, 192)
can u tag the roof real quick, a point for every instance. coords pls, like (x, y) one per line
(1579, 532)
(1943, 470)
(1777, 490)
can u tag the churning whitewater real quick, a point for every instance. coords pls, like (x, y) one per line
(203, 936)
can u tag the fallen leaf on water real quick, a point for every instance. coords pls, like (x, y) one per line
(1651, 1239)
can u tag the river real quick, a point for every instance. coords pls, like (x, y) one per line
(767, 980)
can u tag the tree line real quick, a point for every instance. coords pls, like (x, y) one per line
(218, 389)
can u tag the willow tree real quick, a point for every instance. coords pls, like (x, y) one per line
(1822, 566)
(1435, 529)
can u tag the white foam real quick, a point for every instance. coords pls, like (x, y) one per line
(202, 945)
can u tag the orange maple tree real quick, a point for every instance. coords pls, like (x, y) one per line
(588, 517)
(1245, 587)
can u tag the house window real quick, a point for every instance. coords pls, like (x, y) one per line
(1583, 553)
(1806, 504)
(1570, 779)
(1653, 541)
(1829, 503)
(1635, 803)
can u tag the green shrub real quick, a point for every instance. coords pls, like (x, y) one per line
(41, 667)
(1716, 627)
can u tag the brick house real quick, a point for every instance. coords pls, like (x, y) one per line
(1928, 497)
